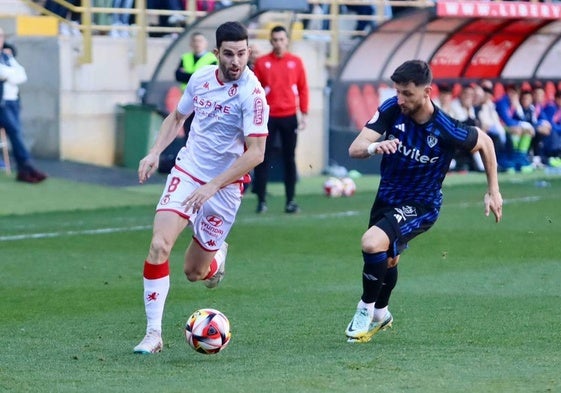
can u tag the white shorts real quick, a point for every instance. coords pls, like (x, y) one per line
(212, 223)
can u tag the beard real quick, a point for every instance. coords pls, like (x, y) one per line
(230, 75)
(411, 110)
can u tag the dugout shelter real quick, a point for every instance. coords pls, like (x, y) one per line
(463, 41)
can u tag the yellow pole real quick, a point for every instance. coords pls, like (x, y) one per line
(86, 30)
(141, 56)
(334, 45)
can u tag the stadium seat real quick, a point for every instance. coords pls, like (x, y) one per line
(525, 86)
(370, 98)
(356, 107)
(435, 91)
(498, 90)
(457, 89)
(5, 152)
(173, 96)
(550, 90)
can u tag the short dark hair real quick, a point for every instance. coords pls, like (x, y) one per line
(230, 31)
(416, 71)
(278, 28)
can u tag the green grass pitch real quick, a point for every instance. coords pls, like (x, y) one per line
(476, 308)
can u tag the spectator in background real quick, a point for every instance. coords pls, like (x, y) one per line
(283, 77)
(490, 122)
(445, 97)
(197, 57)
(552, 144)
(12, 74)
(71, 28)
(541, 126)
(520, 131)
(364, 25)
(120, 20)
(462, 109)
(211, 5)
(171, 5)
(368, 25)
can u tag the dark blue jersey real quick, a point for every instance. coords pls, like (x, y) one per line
(416, 171)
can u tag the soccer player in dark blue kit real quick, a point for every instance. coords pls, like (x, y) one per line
(418, 144)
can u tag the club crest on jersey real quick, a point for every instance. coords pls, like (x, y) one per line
(233, 90)
(432, 140)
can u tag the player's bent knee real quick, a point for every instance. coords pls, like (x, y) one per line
(160, 248)
(371, 246)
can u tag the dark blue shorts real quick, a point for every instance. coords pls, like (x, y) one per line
(402, 222)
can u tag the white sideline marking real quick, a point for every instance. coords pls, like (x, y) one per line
(72, 233)
(45, 235)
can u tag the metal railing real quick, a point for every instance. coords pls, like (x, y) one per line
(141, 29)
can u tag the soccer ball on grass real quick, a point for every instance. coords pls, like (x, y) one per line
(349, 186)
(333, 187)
(207, 331)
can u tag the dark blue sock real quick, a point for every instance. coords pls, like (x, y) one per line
(373, 275)
(389, 284)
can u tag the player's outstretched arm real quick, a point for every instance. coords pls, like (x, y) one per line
(493, 199)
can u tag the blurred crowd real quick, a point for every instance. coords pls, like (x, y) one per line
(120, 20)
(522, 119)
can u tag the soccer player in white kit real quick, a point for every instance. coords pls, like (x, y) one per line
(204, 189)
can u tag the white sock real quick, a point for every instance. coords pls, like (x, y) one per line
(380, 313)
(368, 306)
(155, 293)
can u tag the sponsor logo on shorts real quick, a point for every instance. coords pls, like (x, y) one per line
(214, 220)
(211, 226)
(404, 212)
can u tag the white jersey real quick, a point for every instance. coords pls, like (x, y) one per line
(225, 113)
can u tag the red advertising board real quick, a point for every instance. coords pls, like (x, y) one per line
(500, 9)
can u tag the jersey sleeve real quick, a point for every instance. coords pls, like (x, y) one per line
(186, 104)
(471, 139)
(255, 111)
(383, 118)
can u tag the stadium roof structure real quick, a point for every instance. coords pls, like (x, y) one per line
(464, 40)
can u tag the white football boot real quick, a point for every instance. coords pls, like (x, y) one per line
(151, 343)
(220, 257)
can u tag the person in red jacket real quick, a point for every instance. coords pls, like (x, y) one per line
(283, 77)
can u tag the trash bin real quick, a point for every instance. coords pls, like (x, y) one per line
(141, 123)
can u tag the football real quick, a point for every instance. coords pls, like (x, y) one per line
(349, 186)
(333, 187)
(207, 331)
